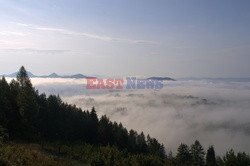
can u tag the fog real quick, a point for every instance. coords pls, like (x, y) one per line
(215, 113)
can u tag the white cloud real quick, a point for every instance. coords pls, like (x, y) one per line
(34, 51)
(8, 33)
(87, 35)
(6, 44)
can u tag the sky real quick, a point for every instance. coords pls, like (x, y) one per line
(175, 38)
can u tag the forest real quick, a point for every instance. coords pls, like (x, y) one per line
(36, 129)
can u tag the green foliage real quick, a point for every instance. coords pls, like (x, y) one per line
(232, 159)
(154, 148)
(30, 155)
(183, 156)
(72, 154)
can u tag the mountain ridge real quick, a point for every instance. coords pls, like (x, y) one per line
(52, 75)
(162, 78)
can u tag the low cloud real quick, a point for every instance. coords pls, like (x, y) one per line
(216, 113)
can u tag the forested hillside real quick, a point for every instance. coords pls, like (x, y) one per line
(34, 127)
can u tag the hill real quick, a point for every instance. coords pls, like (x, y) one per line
(27, 116)
(55, 154)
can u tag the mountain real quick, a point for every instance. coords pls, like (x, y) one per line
(15, 74)
(52, 75)
(162, 78)
(75, 76)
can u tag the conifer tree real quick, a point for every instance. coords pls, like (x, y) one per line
(4, 100)
(197, 154)
(183, 156)
(27, 99)
(210, 157)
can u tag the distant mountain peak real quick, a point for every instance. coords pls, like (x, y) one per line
(78, 76)
(53, 75)
(162, 78)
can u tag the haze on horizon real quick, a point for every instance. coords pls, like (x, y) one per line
(144, 37)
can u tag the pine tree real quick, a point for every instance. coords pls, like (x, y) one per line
(142, 145)
(4, 101)
(105, 131)
(27, 103)
(94, 126)
(183, 156)
(122, 137)
(155, 148)
(197, 154)
(132, 141)
(210, 157)
(14, 125)
(232, 159)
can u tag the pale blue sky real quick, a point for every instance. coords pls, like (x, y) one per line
(177, 38)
